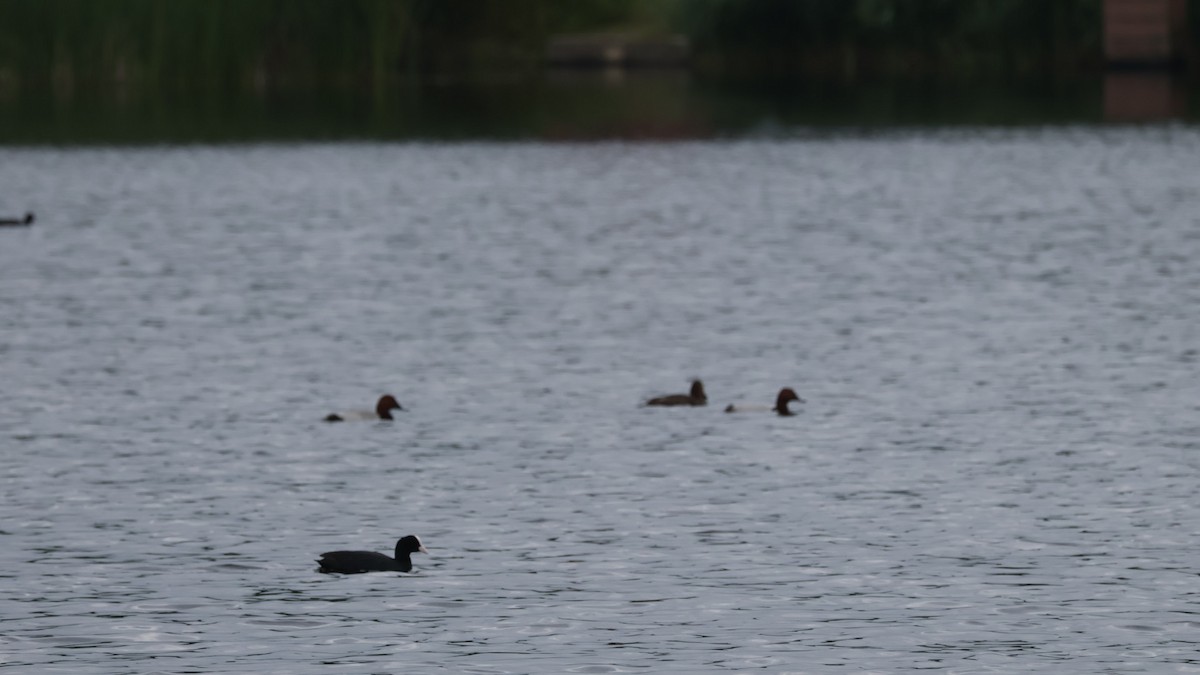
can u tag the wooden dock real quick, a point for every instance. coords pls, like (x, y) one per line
(1144, 33)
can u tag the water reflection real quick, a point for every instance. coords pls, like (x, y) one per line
(574, 104)
(1143, 96)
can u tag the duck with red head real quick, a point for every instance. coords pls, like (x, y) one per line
(786, 396)
(383, 411)
(695, 397)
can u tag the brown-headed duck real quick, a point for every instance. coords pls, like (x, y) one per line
(696, 397)
(357, 562)
(383, 411)
(786, 395)
(14, 222)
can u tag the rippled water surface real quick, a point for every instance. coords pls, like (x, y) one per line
(996, 469)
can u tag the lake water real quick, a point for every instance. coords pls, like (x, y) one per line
(588, 105)
(996, 332)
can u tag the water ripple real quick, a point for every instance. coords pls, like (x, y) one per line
(994, 471)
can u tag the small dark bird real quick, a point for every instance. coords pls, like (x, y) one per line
(696, 397)
(383, 410)
(786, 395)
(16, 222)
(357, 562)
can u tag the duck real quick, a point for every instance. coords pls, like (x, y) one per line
(357, 562)
(695, 397)
(383, 410)
(16, 222)
(786, 395)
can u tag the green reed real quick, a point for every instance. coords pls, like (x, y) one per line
(223, 43)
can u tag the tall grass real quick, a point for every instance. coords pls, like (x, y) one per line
(239, 43)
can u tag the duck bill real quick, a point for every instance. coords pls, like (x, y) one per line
(424, 550)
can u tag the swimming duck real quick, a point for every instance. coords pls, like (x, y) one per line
(696, 397)
(356, 562)
(786, 395)
(383, 410)
(13, 222)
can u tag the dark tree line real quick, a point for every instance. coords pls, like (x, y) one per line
(255, 43)
(895, 35)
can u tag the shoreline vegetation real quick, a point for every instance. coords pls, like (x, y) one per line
(148, 71)
(371, 45)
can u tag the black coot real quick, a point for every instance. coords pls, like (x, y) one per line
(8, 222)
(354, 562)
